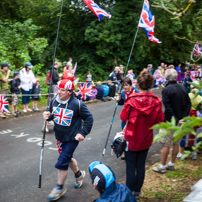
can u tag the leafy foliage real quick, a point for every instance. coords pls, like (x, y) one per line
(187, 127)
(96, 46)
(19, 42)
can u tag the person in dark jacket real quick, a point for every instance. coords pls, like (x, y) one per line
(55, 78)
(177, 104)
(103, 180)
(113, 77)
(112, 89)
(118, 78)
(68, 113)
(36, 91)
(15, 90)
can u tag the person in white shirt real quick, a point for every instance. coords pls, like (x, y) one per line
(70, 61)
(27, 79)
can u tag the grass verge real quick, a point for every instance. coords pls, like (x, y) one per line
(174, 185)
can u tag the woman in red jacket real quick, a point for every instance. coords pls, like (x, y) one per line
(145, 111)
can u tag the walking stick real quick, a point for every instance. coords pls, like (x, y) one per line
(110, 129)
(44, 132)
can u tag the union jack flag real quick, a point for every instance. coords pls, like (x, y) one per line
(4, 104)
(197, 50)
(84, 91)
(147, 22)
(99, 12)
(62, 116)
(134, 82)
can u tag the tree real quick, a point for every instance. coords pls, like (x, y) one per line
(100, 46)
(19, 42)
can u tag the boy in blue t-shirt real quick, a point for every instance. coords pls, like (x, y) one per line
(186, 82)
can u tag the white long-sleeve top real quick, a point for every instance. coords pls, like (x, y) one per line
(27, 79)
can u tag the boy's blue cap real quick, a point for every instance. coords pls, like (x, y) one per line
(16, 73)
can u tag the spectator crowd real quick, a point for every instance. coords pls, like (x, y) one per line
(141, 110)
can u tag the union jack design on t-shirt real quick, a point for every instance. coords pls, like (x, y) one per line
(62, 116)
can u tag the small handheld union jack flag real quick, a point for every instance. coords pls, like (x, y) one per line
(84, 91)
(62, 116)
(99, 12)
(4, 104)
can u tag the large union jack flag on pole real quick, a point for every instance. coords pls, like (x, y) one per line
(62, 116)
(84, 91)
(4, 104)
(99, 12)
(197, 50)
(147, 22)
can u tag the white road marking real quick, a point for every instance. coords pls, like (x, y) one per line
(32, 140)
(46, 143)
(6, 131)
(21, 135)
(51, 148)
(35, 139)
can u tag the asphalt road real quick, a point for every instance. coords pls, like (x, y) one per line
(20, 146)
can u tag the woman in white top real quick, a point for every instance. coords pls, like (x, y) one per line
(89, 77)
(27, 79)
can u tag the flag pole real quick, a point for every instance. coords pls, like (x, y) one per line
(103, 153)
(191, 55)
(44, 132)
(133, 42)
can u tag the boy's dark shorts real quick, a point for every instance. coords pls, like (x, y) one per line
(66, 151)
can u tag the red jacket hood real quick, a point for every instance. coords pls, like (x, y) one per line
(145, 103)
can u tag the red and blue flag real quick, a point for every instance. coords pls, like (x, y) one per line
(197, 50)
(99, 12)
(4, 104)
(84, 91)
(147, 22)
(62, 116)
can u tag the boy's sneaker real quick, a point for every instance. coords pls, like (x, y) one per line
(194, 156)
(37, 109)
(158, 169)
(171, 168)
(79, 180)
(15, 114)
(56, 193)
(34, 109)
